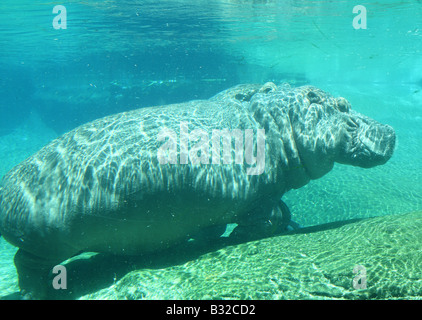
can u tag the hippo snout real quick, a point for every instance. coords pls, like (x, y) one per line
(376, 145)
(367, 143)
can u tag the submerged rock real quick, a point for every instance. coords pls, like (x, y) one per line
(316, 263)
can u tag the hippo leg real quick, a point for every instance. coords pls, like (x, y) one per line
(264, 224)
(288, 223)
(283, 217)
(33, 273)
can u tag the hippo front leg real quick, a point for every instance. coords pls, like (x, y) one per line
(264, 224)
(33, 273)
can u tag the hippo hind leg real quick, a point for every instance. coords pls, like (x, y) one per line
(281, 217)
(265, 224)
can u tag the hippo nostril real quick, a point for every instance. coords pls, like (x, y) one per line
(390, 138)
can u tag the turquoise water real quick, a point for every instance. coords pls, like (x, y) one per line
(117, 56)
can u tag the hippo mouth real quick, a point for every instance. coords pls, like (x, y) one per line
(367, 143)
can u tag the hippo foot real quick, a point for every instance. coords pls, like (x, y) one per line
(265, 225)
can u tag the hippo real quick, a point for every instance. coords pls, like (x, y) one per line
(148, 179)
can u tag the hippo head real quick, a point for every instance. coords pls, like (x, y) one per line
(327, 130)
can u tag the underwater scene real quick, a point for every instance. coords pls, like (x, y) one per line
(226, 149)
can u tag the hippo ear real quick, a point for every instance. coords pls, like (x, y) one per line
(268, 87)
